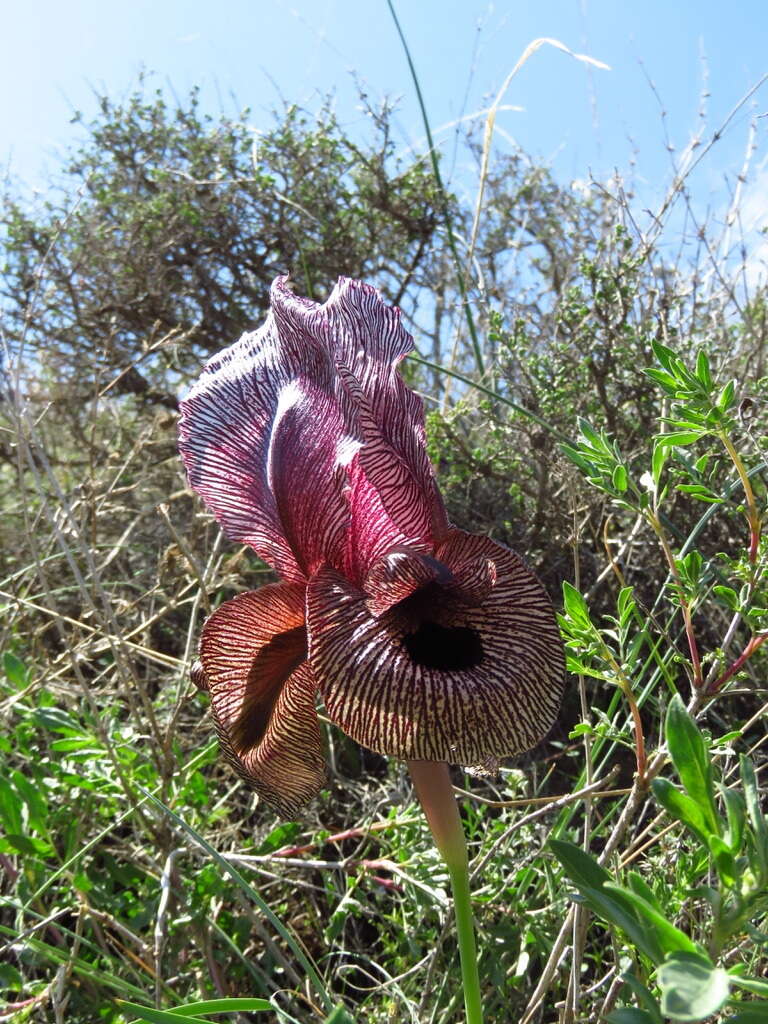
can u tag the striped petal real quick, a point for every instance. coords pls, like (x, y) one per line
(437, 677)
(253, 655)
(264, 442)
(392, 492)
(305, 442)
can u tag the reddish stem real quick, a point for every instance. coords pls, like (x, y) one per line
(737, 665)
(432, 782)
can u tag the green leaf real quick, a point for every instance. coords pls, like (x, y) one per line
(645, 998)
(725, 401)
(678, 438)
(575, 605)
(283, 835)
(666, 380)
(724, 861)
(620, 479)
(691, 760)
(148, 1013)
(31, 795)
(189, 1013)
(728, 596)
(10, 810)
(29, 845)
(752, 1013)
(10, 978)
(14, 670)
(612, 904)
(576, 457)
(700, 493)
(679, 805)
(669, 937)
(630, 1015)
(755, 814)
(590, 434)
(658, 460)
(702, 370)
(236, 1004)
(760, 988)
(339, 1016)
(735, 810)
(692, 988)
(638, 884)
(664, 356)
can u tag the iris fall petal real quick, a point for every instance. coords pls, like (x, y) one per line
(437, 678)
(253, 653)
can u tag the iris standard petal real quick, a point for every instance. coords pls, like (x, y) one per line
(253, 654)
(261, 434)
(392, 485)
(436, 677)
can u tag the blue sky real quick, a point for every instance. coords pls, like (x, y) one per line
(581, 120)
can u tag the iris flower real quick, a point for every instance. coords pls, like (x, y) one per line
(422, 641)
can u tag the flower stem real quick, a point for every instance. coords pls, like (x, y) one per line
(433, 787)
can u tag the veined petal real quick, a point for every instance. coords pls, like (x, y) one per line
(367, 342)
(398, 575)
(378, 525)
(253, 654)
(434, 677)
(260, 436)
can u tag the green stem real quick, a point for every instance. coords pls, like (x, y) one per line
(752, 514)
(433, 787)
(655, 522)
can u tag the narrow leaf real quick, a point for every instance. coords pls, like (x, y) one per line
(724, 861)
(619, 479)
(752, 1013)
(239, 1004)
(575, 605)
(612, 904)
(703, 371)
(755, 813)
(760, 988)
(665, 356)
(691, 760)
(725, 401)
(660, 456)
(189, 1013)
(736, 814)
(152, 1016)
(14, 670)
(666, 380)
(679, 438)
(630, 1015)
(669, 937)
(643, 996)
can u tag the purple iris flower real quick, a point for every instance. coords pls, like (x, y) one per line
(422, 642)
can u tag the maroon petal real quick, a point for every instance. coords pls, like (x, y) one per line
(398, 575)
(264, 443)
(392, 487)
(253, 653)
(434, 677)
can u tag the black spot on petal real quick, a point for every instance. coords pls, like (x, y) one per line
(449, 648)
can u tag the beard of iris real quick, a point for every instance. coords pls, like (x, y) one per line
(434, 630)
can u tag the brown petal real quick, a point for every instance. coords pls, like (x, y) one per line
(253, 652)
